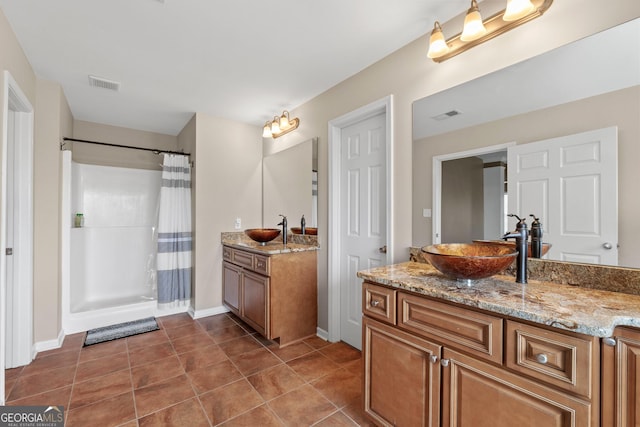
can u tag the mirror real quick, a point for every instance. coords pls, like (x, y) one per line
(589, 84)
(290, 185)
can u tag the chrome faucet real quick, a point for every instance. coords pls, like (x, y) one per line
(522, 236)
(283, 223)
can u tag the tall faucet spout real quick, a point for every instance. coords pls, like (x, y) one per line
(521, 235)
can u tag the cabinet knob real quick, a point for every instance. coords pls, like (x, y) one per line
(444, 362)
(433, 358)
(375, 303)
(610, 341)
(542, 358)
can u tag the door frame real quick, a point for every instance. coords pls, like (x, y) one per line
(381, 106)
(15, 99)
(436, 191)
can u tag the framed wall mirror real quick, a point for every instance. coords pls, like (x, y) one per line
(590, 84)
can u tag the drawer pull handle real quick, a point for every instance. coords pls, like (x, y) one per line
(444, 362)
(375, 303)
(542, 358)
(610, 341)
(434, 359)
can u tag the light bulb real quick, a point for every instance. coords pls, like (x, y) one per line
(266, 130)
(437, 44)
(473, 27)
(517, 9)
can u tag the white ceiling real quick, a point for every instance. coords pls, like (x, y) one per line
(245, 60)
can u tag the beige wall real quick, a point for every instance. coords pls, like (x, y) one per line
(462, 200)
(620, 108)
(409, 75)
(228, 171)
(187, 143)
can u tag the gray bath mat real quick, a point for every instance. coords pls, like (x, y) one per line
(121, 330)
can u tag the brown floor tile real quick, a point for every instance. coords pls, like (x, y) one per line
(57, 397)
(261, 416)
(355, 411)
(212, 323)
(214, 376)
(227, 333)
(110, 412)
(312, 366)
(13, 373)
(240, 345)
(229, 401)
(28, 385)
(163, 394)
(255, 361)
(8, 385)
(292, 351)
(147, 339)
(144, 355)
(340, 387)
(175, 321)
(103, 366)
(183, 331)
(133, 423)
(302, 406)
(337, 419)
(341, 352)
(103, 349)
(276, 381)
(157, 371)
(188, 413)
(100, 388)
(317, 342)
(202, 357)
(71, 342)
(192, 342)
(45, 363)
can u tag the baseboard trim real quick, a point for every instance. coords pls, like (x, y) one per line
(41, 346)
(322, 334)
(198, 314)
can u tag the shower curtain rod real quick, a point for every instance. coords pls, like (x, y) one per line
(108, 144)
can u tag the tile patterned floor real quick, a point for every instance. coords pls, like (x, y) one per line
(208, 372)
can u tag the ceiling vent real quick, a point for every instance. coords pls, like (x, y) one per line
(446, 115)
(104, 83)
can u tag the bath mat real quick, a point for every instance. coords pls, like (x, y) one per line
(121, 330)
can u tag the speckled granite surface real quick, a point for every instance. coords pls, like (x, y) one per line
(295, 243)
(583, 310)
(602, 277)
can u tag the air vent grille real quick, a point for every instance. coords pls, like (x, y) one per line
(104, 83)
(447, 115)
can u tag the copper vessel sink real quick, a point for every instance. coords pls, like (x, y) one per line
(512, 244)
(262, 235)
(470, 261)
(312, 231)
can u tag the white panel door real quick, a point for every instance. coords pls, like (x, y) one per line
(363, 216)
(571, 184)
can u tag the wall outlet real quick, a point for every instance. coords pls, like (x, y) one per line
(426, 213)
(238, 224)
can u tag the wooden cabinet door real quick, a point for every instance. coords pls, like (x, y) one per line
(401, 377)
(232, 287)
(621, 380)
(477, 394)
(255, 294)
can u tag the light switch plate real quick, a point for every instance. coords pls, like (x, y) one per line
(238, 224)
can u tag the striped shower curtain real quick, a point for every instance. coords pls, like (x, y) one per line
(174, 233)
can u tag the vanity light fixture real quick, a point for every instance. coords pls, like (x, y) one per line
(477, 31)
(280, 126)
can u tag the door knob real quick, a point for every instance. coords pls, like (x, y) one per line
(383, 250)
(607, 245)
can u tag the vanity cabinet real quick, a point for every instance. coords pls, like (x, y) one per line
(621, 378)
(276, 294)
(440, 364)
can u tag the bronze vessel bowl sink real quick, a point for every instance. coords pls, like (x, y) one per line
(469, 261)
(262, 235)
(512, 244)
(312, 231)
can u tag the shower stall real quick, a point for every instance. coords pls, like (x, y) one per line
(108, 257)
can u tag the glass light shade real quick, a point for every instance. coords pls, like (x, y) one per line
(473, 26)
(275, 127)
(284, 121)
(437, 44)
(266, 130)
(517, 9)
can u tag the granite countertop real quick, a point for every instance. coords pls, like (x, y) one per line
(241, 241)
(582, 310)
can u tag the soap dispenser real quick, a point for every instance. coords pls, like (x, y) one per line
(303, 225)
(536, 237)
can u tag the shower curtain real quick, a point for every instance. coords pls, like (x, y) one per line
(174, 233)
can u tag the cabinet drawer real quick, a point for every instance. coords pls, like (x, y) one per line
(563, 360)
(379, 302)
(261, 264)
(242, 258)
(227, 253)
(473, 332)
